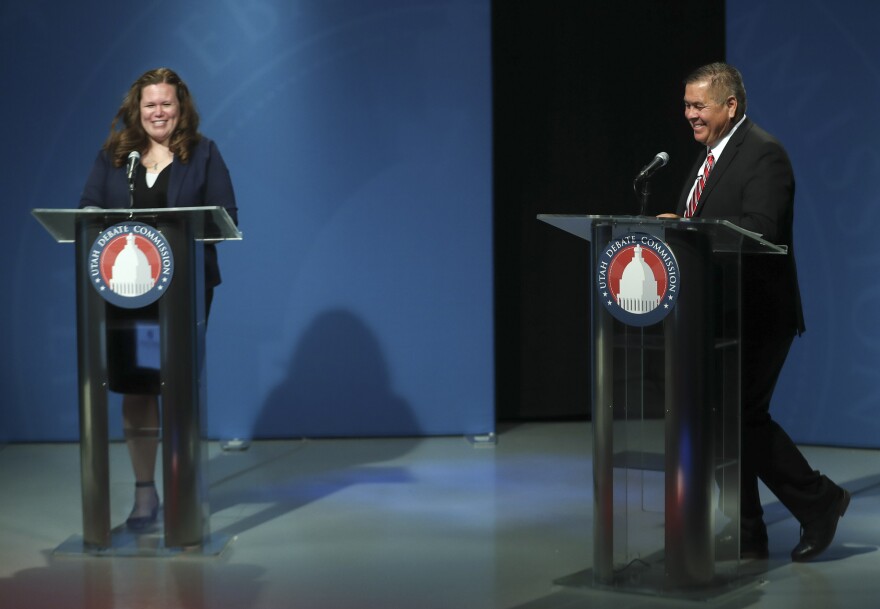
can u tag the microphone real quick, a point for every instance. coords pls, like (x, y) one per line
(131, 167)
(656, 163)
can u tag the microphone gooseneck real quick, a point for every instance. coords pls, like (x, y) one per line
(134, 158)
(658, 162)
(641, 186)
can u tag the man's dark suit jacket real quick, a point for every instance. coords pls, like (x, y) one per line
(202, 181)
(752, 186)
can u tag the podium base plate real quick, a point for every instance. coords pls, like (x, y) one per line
(723, 587)
(124, 543)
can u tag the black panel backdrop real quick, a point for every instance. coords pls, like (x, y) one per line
(585, 94)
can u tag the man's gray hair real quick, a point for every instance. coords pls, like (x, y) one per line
(724, 81)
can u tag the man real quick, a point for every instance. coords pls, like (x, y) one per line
(744, 175)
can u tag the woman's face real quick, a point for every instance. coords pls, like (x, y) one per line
(160, 111)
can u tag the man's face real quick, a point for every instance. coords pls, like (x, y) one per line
(710, 119)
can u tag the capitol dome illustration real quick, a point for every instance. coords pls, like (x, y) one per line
(638, 286)
(132, 274)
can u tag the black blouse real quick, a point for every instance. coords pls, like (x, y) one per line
(147, 197)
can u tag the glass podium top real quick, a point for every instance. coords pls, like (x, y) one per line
(209, 223)
(725, 236)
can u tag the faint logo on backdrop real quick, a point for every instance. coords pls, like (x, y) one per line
(131, 265)
(637, 278)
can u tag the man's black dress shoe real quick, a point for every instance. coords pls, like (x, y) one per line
(818, 534)
(753, 544)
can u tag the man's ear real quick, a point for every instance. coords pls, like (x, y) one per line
(732, 105)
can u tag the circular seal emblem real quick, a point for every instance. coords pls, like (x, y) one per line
(131, 265)
(638, 280)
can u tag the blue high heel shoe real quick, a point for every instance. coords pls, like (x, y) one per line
(142, 523)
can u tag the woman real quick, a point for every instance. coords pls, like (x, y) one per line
(179, 168)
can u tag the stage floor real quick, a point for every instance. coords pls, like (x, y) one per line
(429, 523)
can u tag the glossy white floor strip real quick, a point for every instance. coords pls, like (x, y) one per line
(432, 523)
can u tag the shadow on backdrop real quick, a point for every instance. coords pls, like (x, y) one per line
(337, 386)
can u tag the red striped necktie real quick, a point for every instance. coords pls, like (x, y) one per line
(698, 187)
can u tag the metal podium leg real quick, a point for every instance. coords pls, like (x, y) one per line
(689, 547)
(181, 309)
(93, 419)
(603, 420)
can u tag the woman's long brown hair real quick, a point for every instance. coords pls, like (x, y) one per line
(127, 133)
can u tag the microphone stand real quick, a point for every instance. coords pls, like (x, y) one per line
(642, 193)
(134, 158)
(642, 178)
(131, 181)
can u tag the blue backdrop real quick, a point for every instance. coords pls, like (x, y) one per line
(812, 72)
(358, 135)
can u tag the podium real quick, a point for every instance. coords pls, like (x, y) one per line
(182, 373)
(666, 410)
